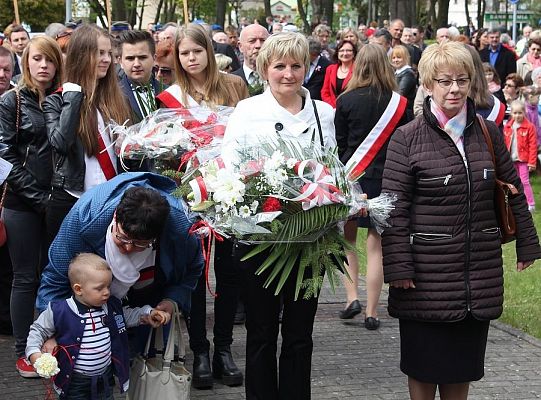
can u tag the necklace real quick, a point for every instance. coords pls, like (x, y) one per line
(342, 69)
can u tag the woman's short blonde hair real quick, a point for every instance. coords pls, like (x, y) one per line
(449, 55)
(403, 52)
(283, 45)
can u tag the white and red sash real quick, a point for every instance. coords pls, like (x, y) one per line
(172, 98)
(498, 112)
(377, 137)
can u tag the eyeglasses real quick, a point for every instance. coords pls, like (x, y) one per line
(63, 34)
(447, 83)
(509, 86)
(414, 33)
(162, 70)
(345, 51)
(140, 244)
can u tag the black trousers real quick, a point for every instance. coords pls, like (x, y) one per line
(226, 269)
(58, 207)
(6, 280)
(264, 379)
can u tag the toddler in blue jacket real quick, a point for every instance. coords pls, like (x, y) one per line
(90, 328)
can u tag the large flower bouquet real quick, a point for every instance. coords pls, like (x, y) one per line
(286, 200)
(173, 134)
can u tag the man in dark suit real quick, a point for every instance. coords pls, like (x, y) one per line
(315, 76)
(501, 58)
(137, 55)
(251, 39)
(140, 87)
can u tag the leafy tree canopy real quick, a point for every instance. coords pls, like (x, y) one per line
(36, 13)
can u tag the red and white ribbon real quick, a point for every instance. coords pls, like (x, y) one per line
(374, 141)
(498, 111)
(318, 191)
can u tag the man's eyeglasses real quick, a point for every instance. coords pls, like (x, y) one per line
(447, 83)
(140, 244)
(162, 70)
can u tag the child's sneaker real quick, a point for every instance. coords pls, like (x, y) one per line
(25, 369)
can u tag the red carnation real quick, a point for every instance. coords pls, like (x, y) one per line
(272, 204)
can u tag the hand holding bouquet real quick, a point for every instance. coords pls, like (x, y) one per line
(285, 199)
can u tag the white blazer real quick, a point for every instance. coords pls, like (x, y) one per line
(261, 118)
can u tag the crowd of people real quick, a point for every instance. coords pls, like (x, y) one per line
(89, 236)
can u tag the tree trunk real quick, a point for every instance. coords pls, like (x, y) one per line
(132, 13)
(100, 10)
(141, 14)
(302, 13)
(328, 10)
(221, 6)
(316, 12)
(268, 11)
(405, 10)
(481, 6)
(432, 13)
(443, 11)
(118, 10)
(467, 11)
(158, 12)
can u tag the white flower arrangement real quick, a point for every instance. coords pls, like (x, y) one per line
(46, 366)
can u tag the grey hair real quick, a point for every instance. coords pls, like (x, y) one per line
(314, 45)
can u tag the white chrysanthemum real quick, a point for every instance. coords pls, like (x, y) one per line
(290, 163)
(46, 366)
(275, 161)
(244, 211)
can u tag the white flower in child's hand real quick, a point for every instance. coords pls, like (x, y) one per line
(46, 366)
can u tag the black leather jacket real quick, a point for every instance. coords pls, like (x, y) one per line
(28, 150)
(62, 115)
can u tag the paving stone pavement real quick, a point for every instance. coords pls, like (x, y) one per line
(350, 362)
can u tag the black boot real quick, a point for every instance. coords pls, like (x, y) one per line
(202, 375)
(224, 367)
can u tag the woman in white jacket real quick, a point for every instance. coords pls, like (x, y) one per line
(284, 110)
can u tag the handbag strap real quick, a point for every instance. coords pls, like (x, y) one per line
(175, 337)
(487, 138)
(318, 123)
(18, 111)
(3, 196)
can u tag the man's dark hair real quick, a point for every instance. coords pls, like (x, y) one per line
(419, 28)
(385, 33)
(134, 37)
(142, 213)
(18, 28)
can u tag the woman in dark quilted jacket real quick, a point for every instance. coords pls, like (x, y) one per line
(442, 256)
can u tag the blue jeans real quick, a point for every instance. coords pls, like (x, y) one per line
(83, 387)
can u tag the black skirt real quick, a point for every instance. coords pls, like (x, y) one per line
(372, 188)
(443, 352)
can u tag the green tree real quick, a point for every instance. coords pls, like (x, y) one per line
(36, 13)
